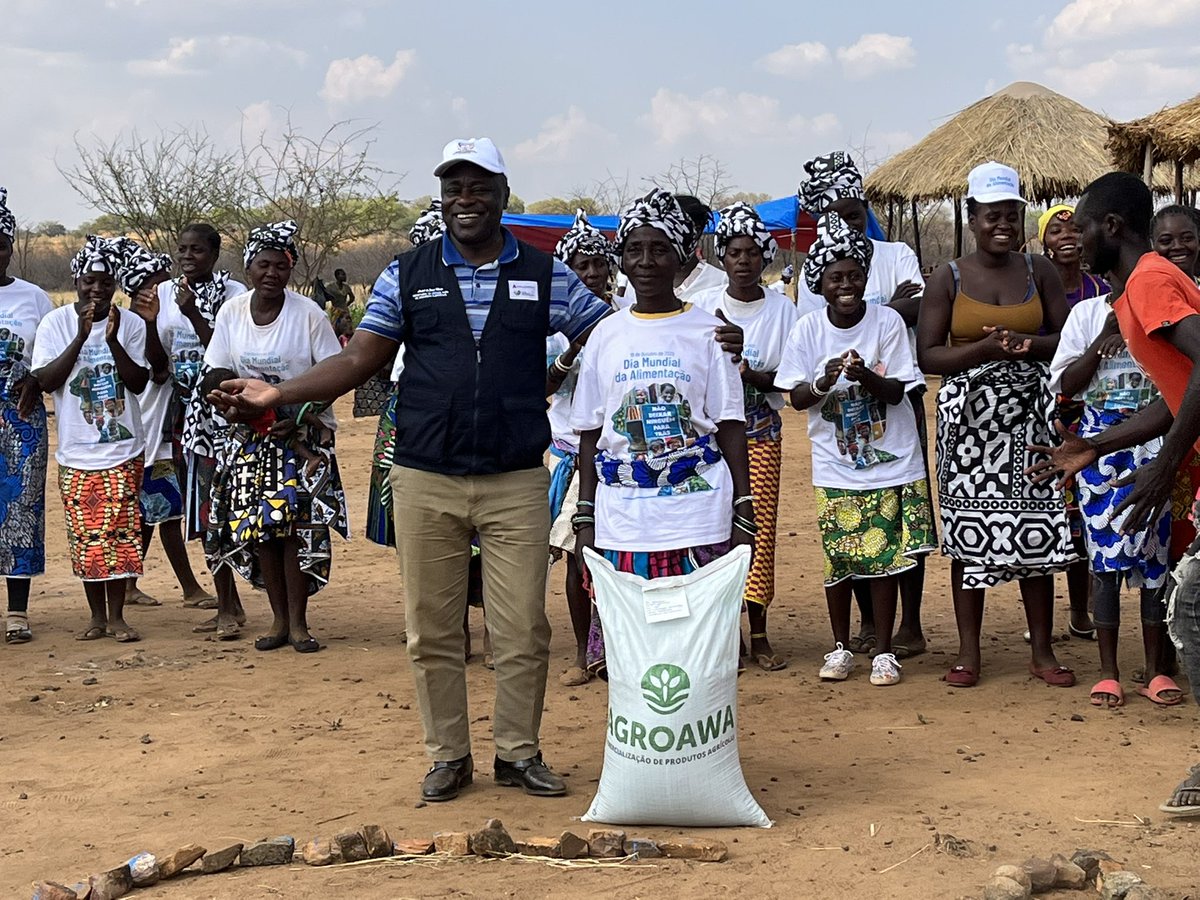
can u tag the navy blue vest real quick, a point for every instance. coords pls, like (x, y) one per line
(465, 408)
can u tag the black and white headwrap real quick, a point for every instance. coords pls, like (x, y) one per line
(835, 240)
(138, 264)
(742, 220)
(585, 238)
(275, 236)
(429, 225)
(658, 209)
(8, 222)
(98, 254)
(831, 178)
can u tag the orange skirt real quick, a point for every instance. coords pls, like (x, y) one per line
(104, 522)
(766, 463)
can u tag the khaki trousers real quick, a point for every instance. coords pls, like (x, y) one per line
(435, 518)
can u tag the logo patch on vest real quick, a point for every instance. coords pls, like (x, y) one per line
(430, 293)
(523, 290)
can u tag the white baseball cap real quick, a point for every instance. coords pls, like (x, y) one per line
(993, 182)
(479, 151)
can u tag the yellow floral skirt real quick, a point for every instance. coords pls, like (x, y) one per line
(872, 534)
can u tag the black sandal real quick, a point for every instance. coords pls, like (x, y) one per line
(308, 645)
(270, 642)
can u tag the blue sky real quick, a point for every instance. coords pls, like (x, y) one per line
(570, 91)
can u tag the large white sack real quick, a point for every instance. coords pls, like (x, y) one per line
(671, 753)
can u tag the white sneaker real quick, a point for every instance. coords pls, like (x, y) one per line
(885, 669)
(838, 664)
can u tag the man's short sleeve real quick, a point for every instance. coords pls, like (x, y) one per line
(573, 308)
(384, 315)
(1158, 301)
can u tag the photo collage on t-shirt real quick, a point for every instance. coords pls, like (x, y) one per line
(859, 421)
(12, 345)
(1120, 384)
(656, 419)
(101, 394)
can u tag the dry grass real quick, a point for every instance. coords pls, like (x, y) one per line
(1056, 144)
(1174, 134)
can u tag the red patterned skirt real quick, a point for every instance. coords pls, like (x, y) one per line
(104, 522)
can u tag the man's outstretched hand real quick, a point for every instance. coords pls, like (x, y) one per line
(1071, 456)
(244, 399)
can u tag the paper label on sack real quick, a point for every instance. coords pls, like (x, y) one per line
(665, 605)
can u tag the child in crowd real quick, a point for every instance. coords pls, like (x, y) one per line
(1092, 365)
(92, 358)
(665, 487)
(850, 365)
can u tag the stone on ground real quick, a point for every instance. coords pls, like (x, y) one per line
(1000, 888)
(605, 843)
(111, 884)
(1017, 874)
(378, 841)
(703, 850)
(144, 870)
(52, 890)
(452, 843)
(642, 848)
(170, 866)
(1066, 874)
(317, 852)
(1042, 874)
(220, 860)
(275, 852)
(351, 845)
(1117, 885)
(413, 847)
(492, 840)
(572, 845)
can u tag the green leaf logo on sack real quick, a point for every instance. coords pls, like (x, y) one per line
(665, 687)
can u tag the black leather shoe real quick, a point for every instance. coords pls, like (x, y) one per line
(445, 779)
(532, 774)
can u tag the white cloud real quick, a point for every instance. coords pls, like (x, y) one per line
(559, 136)
(875, 53)
(1089, 19)
(729, 118)
(795, 59)
(258, 118)
(366, 76)
(192, 56)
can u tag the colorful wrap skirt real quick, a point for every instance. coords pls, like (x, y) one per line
(997, 522)
(1141, 557)
(381, 527)
(23, 454)
(876, 533)
(766, 464)
(262, 491)
(104, 521)
(651, 565)
(161, 498)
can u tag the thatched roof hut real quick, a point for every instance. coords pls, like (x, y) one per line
(1056, 144)
(1170, 135)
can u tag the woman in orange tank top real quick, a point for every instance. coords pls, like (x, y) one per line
(989, 326)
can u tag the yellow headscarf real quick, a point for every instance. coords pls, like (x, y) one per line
(1062, 212)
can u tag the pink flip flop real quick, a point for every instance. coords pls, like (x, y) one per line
(1159, 685)
(1103, 690)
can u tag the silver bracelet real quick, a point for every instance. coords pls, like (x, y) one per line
(738, 501)
(816, 391)
(558, 364)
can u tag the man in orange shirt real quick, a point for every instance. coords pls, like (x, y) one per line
(1158, 308)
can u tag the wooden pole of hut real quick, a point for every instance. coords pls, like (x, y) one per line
(1179, 181)
(1148, 163)
(916, 233)
(958, 226)
(891, 214)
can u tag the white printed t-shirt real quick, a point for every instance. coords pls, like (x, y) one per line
(858, 442)
(98, 418)
(892, 264)
(1119, 383)
(299, 338)
(185, 354)
(700, 280)
(766, 324)
(652, 385)
(22, 307)
(559, 413)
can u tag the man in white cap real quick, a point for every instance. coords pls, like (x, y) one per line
(472, 312)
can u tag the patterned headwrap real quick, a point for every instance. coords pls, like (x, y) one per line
(275, 236)
(1060, 213)
(138, 264)
(831, 178)
(742, 220)
(98, 254)
(429, 225)
(584, 237)
(660, 210)
(8, 222)
(835, 240)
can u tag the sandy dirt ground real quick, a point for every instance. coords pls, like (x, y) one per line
(123, 748)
